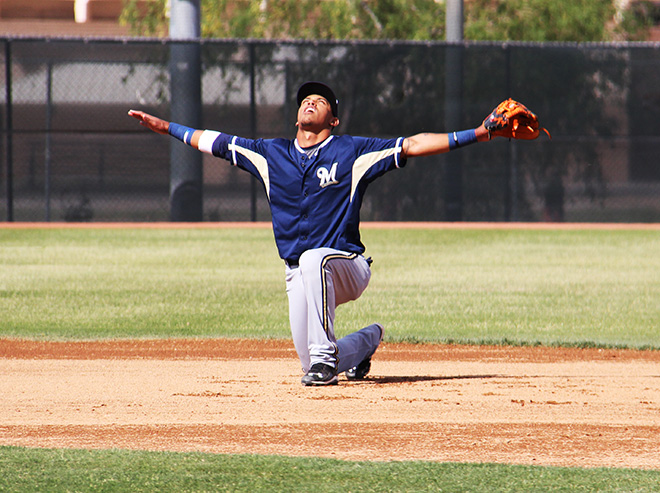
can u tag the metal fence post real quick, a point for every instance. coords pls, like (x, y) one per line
(49, 118)
(9, 128)
(454, 108)
(253, 131)
(186, 180)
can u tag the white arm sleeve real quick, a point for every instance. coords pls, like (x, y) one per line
(206, 140)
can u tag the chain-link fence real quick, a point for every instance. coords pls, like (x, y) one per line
(69, 152)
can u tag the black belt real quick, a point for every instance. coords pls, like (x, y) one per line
(293, 264)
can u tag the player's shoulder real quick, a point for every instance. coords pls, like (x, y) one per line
(279, 142)
(344, 140)
(338, 138)
(363, 138)
(365, 144)
(266, 146)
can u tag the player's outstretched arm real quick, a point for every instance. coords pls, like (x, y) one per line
(428, 144)
(160, 126)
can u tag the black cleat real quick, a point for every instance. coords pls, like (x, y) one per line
(320, 374)
(360, 371)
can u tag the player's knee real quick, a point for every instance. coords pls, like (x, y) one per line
(310, 264)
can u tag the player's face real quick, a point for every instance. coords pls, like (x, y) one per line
(315, 111)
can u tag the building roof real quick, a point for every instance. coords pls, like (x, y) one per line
(58, 18)
(60, 27)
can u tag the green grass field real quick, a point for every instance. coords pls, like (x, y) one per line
(551, 287)
(27, 470)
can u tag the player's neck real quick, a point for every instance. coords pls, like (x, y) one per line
(308, 138)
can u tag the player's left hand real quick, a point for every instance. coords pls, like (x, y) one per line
(513, 120)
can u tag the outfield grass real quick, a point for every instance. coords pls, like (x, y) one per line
(31, 470)
(551, 287)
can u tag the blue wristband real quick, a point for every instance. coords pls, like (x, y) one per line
(462, 138)
(181, 132)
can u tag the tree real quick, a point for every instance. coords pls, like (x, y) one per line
(496, 20)
(538, 20)
(557, 20)
(301, 19)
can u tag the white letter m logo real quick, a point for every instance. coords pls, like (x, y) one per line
(327, 177)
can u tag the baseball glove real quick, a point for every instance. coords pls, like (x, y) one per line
(513, 120)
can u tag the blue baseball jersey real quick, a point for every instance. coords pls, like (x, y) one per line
(314, 199)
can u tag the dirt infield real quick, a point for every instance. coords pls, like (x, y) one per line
(563, 407)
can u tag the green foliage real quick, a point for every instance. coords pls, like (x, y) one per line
(145, 18)
(521, 20)
(400, 19)
(224, 18)
(638, 19)
(538, 20)
(310, 19)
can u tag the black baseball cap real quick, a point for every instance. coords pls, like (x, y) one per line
(313, 87)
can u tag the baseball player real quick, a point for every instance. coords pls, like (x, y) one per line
(315, 185)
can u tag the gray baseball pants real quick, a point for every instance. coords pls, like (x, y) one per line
(324, 279)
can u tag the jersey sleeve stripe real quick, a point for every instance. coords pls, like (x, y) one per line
(206, 140)
(232, 148)
(365, 162)
(397, 151)
(257, 160)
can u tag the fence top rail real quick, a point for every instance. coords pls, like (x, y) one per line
(300, 42)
